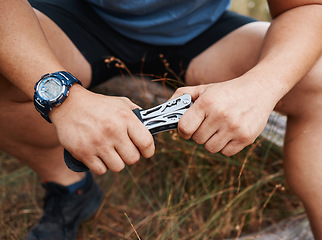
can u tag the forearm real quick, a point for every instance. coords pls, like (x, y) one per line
(24, 52)
(291, 47)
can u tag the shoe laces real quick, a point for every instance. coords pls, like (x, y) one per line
(55, 197)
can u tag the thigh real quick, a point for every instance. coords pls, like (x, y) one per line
(94, 41)
(230, 57)
(65, 50)
(66, 35)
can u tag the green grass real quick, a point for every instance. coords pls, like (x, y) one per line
(183, 192)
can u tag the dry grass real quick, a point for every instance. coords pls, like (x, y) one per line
(183, 192)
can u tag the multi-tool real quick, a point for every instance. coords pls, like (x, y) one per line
(164, 117)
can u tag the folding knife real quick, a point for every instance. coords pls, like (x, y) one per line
(164, 117)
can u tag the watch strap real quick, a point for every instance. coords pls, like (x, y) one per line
(43, 110)
(69, 78)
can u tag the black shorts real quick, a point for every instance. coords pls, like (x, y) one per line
(97, 41)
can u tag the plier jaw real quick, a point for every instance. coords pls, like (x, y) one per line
(164, 117)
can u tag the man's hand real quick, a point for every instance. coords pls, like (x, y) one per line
(101, 131)
(225, 116)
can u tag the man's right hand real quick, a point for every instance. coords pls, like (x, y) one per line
(101, 131)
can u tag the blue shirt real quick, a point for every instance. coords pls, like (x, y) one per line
(161, 22)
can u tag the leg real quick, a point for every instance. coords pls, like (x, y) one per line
(234, 55)
(26, 136)
(302, 150)
(39, 149)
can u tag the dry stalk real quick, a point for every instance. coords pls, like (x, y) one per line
(137, 235)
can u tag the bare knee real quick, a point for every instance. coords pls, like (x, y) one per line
(230, 57)
(305, 99)
(193, 75)
(20, 123)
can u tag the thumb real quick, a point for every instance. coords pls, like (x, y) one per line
(190, 121)
(194, 91)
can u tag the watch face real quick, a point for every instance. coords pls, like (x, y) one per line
(50, 89)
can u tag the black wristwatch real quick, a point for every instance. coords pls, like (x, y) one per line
(52, 90)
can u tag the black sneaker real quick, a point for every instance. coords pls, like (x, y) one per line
(63, 211)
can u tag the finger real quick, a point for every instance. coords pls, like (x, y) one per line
(96, 165)
(205, 131)
(112, 160)
(217, 142)
(190, 121)
(233, 147)
(194, 91)
(141, 138)
(128, 152)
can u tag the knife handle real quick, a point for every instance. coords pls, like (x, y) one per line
(73, 164)
(138, 114)
(77, 166)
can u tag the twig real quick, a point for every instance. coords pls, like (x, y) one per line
(137, 235)
(265, 204)
(249, 153)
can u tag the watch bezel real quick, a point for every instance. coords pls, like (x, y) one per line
(60, 96)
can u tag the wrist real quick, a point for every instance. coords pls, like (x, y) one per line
(76, 92)
(270, 84)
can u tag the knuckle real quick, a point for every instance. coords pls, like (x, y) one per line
(134, 159)
(228, 152)
(205, 101)
(112, 128)
(148, 152)
(244, 135)
(250, 141)
(234, 126)
(232, 148)
(80, 153)
(100, 170)
(118, 169)
(180, 90)
(121, 112)
(97, 141)
(125, 99)
(109, 128)
(184, 127)
(197, 139)
(147, 143)
(83, 154)
(245, 138)
(211, 148)
(95, 166)
(184, 131)
(223, 114)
